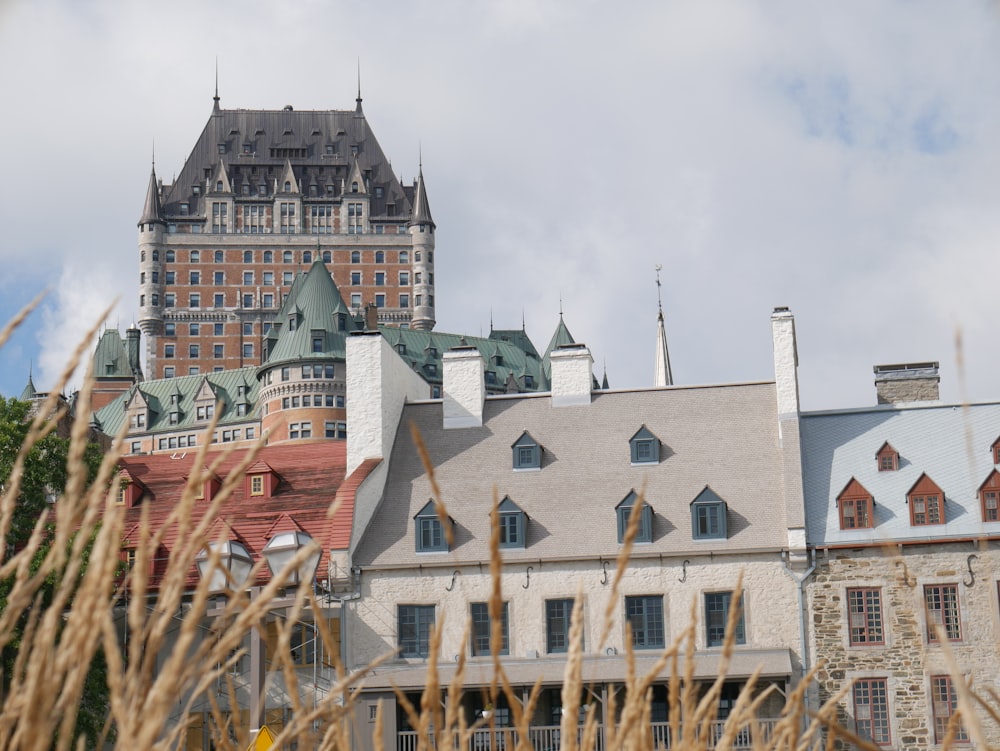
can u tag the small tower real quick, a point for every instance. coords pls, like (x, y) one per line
(422, 233)
(152, 227)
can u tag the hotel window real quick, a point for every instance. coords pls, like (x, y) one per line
(644, 447)
(404, 278)
(321, 219)
(430, 533)
(247, 256)
(404, 256)
(926, 503)
(220, 218)
(624, 513)
(989, 497)
(941, 602)
(871, 710)
(864, 613)
(355, 300)
(247, 300)
(194, 350)
(219, 278)
(482, 630)
(169, 256)
(168, 351)
(855, 505)
(219, 256)
(169, 300)
(287, 277)
(415, 624)
(254, 222)
(944, 703)
(709, 516)
(404, 301)
(248, 350)
(257, 485)
(379, 278)
(527, 453)
(887, 458)
(379, 256)
(287, 219)
(645, 616)
(219, 299)
(355, 219)
(355, 277)
(558, 615)
(169, 329)
(195, 257)
(380, 300)
(195, 277)
(512, 521)
(327, 256)
(168, 372)
(170, 277)
(717, 606)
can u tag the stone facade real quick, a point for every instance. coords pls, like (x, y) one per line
(902, 654)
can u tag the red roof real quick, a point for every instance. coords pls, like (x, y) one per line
(311, 478)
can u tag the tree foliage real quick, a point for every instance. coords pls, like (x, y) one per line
(43, 478)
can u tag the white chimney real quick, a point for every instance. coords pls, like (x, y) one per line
(572, 375)
(786, 362)
(463, 388)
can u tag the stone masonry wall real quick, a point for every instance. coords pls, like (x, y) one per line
(906, 659)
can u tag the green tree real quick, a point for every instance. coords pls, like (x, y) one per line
(44, 475)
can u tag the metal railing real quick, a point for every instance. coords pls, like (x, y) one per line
(547, 737)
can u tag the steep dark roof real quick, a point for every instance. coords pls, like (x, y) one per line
(111, 357)
(152, 211)
(319, 146)
(422, 210)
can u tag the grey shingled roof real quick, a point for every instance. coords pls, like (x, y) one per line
(723, 437)
(311, 130)
(949, 443)
(422, 209)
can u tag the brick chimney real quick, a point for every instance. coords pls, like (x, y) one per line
(907, 382)
(463, 388)
(572, 375)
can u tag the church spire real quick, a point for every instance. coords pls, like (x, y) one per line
(662, 373)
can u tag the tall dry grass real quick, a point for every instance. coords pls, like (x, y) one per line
(180, 645)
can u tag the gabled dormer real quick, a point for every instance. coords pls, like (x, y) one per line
(644, 447)
(432, 537)
(288, 185)
(926, 501)
(356, 184)
(130, 489)
(205, 400)
(261, 480)
(513, 524)
(856, 506)
(220, 180)
(527, 452)
(139, 412)
(624, 511)
(887, 458)
(995, 448)
(709, 516)
(210, 485)
(989, 497)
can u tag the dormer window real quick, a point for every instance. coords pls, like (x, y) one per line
(218, 186)
(989, 497)
(185, 208)
(288, 186)
(401, 348)
(527, 452)
(644, 447)
(855, 506)
(624, 512)
(926, 501)
(512, 521)
(354, 187)
(995, 448)
(887, 458)
(529, 381)
(429, 530)
(317, 341)
(708, 516)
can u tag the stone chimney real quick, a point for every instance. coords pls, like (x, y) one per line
(572, 375)
(907, 382)
(464, 387)
(371, 317)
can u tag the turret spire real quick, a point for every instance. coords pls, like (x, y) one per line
(152, 210)
(662, 375)
(215, 107)
(358, 100)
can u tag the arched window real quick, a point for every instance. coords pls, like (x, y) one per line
(354, 187)
(288, 187)
(379, 256)
(307, 256)
(247, 256)
(268, 256)
(355, 256)
(218, 186)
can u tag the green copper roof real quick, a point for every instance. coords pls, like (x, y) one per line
(560, 337)
(29, 391)
(517, 337)
(158, 394)
(111, 357)
(312, 322)
(507, 362)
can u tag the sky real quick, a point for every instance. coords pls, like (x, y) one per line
(840, 159)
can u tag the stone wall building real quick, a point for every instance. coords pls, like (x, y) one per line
(901, 503)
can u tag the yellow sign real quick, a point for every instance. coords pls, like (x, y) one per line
(263, 741)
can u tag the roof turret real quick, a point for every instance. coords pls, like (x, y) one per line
(29, 392)
(421, 208)
(152, 210)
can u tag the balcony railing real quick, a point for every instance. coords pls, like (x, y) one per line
(547, 737)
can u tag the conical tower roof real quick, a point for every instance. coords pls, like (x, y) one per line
(560, 337)
(29, 392)
(152, 210)
(313, 310)
(421, 207)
